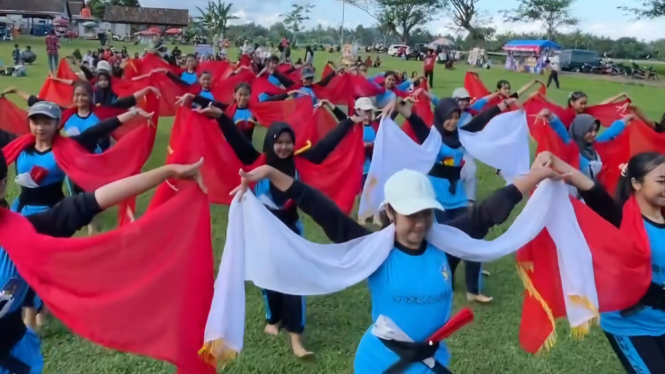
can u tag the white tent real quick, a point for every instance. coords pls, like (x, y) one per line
(443, 42)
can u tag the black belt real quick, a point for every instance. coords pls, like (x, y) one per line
(654, 297)
(12, 330)
(451, 173)
(48, 195)
(412, 353)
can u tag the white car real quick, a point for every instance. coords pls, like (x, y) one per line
(394, 48)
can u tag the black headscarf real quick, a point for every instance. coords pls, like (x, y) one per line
(444, 110)
(104, 96)
(285, 165)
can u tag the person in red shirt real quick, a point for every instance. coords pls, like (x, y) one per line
(430, 60)
(52, 47)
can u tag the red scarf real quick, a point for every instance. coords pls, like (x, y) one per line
(538, 264)
(195, 136)
(124, 159)
(134, 289)
(14, 118)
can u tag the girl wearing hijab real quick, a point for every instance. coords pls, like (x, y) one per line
(283, 311)
(19, 344)
(637, 334)
(584, 132)
(413, 287)
(445, 175)
(37, 196)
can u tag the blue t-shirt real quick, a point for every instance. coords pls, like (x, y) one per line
(190, 78)
(272, 79)
(24, 164)
(450, 157)
(384, 98)
(310, 92)
(206, 94)
(13, 285)
(648, 321)
(76, 124)
(369, 136)
(415, 292)
(610, 133)
(262, 192)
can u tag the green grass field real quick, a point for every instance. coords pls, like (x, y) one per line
(336, 323)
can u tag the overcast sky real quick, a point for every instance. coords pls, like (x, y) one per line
(600, 17)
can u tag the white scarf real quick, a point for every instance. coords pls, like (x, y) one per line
(283, 261)
(503, 144)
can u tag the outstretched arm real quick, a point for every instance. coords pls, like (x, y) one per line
(338, 226)
(321, 150)
(89, 138)
(77, 211)
(243, 148)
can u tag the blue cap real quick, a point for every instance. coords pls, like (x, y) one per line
(45, 108)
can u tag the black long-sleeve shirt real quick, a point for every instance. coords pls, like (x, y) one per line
(340, 228)
(476, 124)
(248, 154)
(121, 103)
(68, 216)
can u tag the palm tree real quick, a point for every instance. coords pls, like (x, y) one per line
(216, 16)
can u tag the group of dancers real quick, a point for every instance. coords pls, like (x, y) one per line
(413, 287)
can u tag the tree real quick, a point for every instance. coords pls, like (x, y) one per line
(298, 14)
(650, 9)
(552, 14)
(465, 17)
(97, 7)
(401, 17)
(216, 16)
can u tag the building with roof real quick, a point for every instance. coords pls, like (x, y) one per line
(122, 18)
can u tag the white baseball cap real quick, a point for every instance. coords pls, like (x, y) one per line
(461, 93)
(104, 65)
(364, 103)
(409, 192)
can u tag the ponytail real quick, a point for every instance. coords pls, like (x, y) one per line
(634, 171)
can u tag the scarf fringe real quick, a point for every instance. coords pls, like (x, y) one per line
(215, 351)
(522, 269)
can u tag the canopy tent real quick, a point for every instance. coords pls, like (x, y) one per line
(149, 32)
(173, 31)
(444, 42)
(530, 45)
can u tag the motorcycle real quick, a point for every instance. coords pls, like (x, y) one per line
(651, 74)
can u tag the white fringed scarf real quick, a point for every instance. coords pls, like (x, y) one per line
(259, 248)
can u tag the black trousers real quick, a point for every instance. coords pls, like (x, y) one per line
(554, 77)
(472, 270)
(286, 310)
(430, 75)
(639, 354)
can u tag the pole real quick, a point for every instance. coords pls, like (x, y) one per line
(341, 41)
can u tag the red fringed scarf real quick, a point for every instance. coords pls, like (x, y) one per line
(65, 71)
(538, 267)
(144, 289)
(57, 92)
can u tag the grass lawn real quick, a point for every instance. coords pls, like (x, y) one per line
(336, 323)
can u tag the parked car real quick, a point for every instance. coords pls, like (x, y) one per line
(393, 49)
(575, 59)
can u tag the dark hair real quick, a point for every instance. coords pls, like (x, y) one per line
(51, 32)
(662, 120)
(414, 74)
(88, 89)
(574, 96)
(383, 216)
(638, 167)
(15, 45)
(3, 166)
(273, 58)
(243, 85)
(389, 73)
(190, 55)
(206, 73)
(501, 83)
(362, 64)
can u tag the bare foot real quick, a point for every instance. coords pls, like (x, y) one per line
(271, 329)
(298, 348)
(480, 298)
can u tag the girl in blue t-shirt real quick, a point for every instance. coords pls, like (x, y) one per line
(446, 172)
(637, 334)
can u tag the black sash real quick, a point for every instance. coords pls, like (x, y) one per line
(654, 297)
(12, 331)
(48, 195)
(412, 353)
(451, 173)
